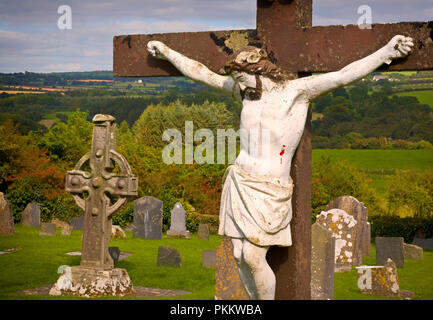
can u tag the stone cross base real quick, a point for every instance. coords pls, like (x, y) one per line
(88, 282)
(178, 233)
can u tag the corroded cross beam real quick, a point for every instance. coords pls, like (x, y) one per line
(284, 29)
(100, 192)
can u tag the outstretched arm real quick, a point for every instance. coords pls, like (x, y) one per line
(190, 68)
(314, 86)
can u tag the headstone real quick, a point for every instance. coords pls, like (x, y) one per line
(178, 222)
(65, 227)
(344, 228)
(390, 247)
(203, 232)
(356, 209)
(48, 229)
(379, 280)
(423, 243)
(169, 257)
(110, 172)
(208, 258)
(77, 223)
(114, 253)
(117, 232)
(228, 285)
(31, 215)
(6, 216)
(412, 252)
(322, 263)
(8, 250)
(148, 218)
(121, 255)
(67, 230)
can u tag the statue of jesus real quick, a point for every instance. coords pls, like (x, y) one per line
(256, 206)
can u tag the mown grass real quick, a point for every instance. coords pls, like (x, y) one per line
(381, 159)
(37, 262)
(424, 96)
(39, 257)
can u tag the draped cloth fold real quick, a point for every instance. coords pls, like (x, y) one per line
(255, 207)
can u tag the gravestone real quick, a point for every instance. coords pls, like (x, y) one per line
(390, 247)
(178, 222)
(169, 257)
(412, 252)
(66, 228)
(48, 229)
(6, 216)
(228, 285)
(117, 232)
(423, 243)
(344, 228)
(379, 280)
(77, 223)
(356, 209)
(203, 231)
(148, 218)
(96, 275)
(31, 215)
(208, 258)
(322, 263)
(114, 254)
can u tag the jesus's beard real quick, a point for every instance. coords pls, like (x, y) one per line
(253, 93)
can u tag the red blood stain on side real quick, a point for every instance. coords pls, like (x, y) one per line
(282, 151)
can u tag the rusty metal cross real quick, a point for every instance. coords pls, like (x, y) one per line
(96, 191)
(284, 29)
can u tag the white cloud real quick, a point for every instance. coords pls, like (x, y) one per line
(30, 39)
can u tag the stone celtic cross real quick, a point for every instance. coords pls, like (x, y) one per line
(284, 29)
(100, 192)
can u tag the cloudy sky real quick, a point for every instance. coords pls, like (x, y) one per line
(30, 39)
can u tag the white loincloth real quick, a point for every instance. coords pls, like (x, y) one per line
(257, 208)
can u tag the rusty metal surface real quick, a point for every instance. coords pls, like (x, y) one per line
(316, 49)
(330, 48)
(291, 265)
(130, 57)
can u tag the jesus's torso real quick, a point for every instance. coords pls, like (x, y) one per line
(272, 128)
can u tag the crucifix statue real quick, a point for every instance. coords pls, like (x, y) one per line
(256, 207)
(266, 206)
(100, 193)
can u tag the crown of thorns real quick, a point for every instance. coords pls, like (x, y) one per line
(254, 60)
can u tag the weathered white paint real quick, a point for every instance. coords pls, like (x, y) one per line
(281, 111)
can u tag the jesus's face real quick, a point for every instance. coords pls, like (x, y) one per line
(244, 80)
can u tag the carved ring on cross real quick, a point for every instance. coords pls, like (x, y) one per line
(123, 185)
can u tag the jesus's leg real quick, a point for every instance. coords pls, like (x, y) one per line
(244, 269)
(264, 278)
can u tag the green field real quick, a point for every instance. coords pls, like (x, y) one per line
(425, 97)
(380, 165)
(381, 159)
(36, 262)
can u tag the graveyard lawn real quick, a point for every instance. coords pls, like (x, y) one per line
(36, 262)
